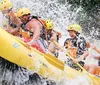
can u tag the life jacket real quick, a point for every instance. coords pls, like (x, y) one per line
(43, 30)
(11, 23)
(71, 50)
(88, 44)
(79, 43)
(8, 16)
(24, 34)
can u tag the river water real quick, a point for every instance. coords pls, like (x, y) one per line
(62, 15)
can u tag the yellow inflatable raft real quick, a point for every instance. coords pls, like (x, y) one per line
(13, 50)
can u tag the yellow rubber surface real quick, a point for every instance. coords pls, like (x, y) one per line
(14, 51)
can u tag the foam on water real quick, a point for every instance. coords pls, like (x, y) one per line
(62, 16)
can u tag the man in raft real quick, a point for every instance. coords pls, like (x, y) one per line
(96, 56)
(91, 68)
(41, 30)
(76, 44)
(13, 22)
(53, 35)
(35, 25)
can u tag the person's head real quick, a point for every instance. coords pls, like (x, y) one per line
(74, 30)
(24, 14)
(6, 6)
(48, 24)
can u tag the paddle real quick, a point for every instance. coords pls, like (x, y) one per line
(94, 78)
(50, 58)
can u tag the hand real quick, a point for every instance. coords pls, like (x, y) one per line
(75, 60)
(31, 42)
(27, 46)
(61, 49)
(52, 39)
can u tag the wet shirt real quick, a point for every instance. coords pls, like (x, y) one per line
(79, 43)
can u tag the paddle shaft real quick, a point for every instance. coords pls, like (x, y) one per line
(52, 59)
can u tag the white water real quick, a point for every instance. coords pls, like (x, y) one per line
(62, 16)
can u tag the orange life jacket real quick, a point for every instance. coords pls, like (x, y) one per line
(88, 44)
(24, 34)
(71, 50)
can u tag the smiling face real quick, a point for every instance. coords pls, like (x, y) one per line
(24, 18)
(72, 33)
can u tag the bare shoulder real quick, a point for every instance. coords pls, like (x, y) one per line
(34, 23)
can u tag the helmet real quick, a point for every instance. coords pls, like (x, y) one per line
(49, 24)
(5, 5)
(77, 28)
(23, 11)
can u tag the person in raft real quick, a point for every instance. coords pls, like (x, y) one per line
(76, 45)
(35, 25)
(91, 68)
(13, 22)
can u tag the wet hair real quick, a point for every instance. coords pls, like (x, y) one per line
(81, 63)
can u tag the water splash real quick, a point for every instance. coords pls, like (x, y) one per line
(62, 15)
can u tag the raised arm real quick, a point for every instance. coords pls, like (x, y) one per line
(95, 48)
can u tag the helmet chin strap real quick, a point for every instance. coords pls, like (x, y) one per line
(29, 18)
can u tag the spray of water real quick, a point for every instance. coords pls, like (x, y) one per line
(62, 16)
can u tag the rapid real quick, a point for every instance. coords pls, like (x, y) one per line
(62, 16)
